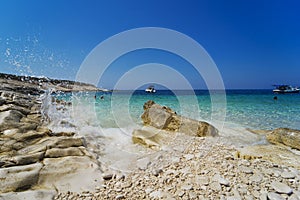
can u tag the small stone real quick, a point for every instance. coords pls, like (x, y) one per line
(257, 178)
(120, 196)
(231, 198)
(274, 196)
(180, 193)
(148, 190)
(175, 159)
(201, 180)
(126, 185)
(143, 163)
(185, 170)
(186, 187)
(263, 196)
(107, 177)
(192, 195)
(215, 187)
(157, 172)
(188, 156)
(156, 194)
(224, 182)
(287, 175)
(237, 194)
(246, 170)
(281, 188)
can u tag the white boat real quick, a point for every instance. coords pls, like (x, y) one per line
(150, 89)
(285, 89)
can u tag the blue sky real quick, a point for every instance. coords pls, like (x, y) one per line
(254, 43)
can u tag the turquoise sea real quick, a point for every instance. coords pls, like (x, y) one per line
(107, 123)
(254, 109)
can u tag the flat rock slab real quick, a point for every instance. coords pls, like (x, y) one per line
(19, 177)
(281, 187)
(29, 195)
(71, 173)
(273, 153)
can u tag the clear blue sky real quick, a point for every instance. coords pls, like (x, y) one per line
(254, 43)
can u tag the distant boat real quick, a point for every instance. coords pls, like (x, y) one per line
(150, 89)
(285, 89)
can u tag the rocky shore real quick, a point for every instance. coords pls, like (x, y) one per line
(38, 163)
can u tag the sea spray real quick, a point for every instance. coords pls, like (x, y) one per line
(56, 113)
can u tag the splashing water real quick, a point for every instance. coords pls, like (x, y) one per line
(27, 56)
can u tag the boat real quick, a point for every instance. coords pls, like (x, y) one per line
(285, 89)
(150, 89)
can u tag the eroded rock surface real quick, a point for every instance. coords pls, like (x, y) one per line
(288, 137)
(36, 163)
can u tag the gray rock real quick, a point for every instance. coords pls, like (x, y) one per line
(275, 196)
(215, 186)
(156, 194)
(192, 195)
(187, 187)
(288, 175)
(281, 187)
(201, 180)
(107, 176)
(224, 182)
(143, 163)
(264, 196)
(233, 198)
(120, 196)
(156, 172)
(293, 197)
(246, 170)
(257, 178)
(189, 156)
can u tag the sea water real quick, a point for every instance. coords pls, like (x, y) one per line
(107, 119)
(253, 109)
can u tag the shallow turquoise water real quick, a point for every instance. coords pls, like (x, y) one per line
(255, 109)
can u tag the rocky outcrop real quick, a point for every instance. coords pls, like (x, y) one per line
(36, 163)
(288, 137)
(284, 147)
(164, 118)
(273, 153)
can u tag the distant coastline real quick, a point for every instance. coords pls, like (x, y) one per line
(46, 83)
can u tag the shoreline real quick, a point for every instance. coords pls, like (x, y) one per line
(187, 167)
